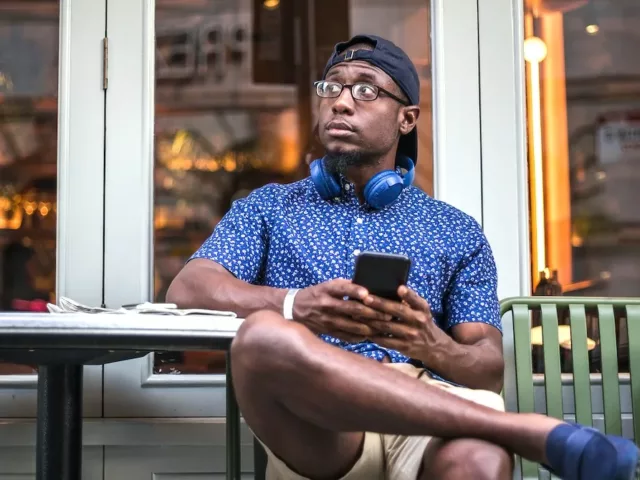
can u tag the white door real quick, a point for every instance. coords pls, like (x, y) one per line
(209, 101)
(51, 193)
(51, 171)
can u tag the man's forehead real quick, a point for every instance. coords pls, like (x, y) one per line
(360, 68)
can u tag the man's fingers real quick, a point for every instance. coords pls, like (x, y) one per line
(414, 300)
(341, 288)
(402, 311)
(345, 325)
(395, 329)
(395, 309)
(360, 311)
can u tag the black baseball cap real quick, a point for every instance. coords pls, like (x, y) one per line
(392, 60)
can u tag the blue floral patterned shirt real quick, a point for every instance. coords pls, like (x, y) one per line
(287, 236)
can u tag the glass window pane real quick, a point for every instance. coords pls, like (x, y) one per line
(28, 157)
(235, 109)
(583, 116)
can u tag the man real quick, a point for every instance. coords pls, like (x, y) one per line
(335, 382)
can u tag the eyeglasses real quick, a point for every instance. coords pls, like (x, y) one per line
(359, 91)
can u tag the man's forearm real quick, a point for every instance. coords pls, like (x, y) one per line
(205, 284)
(478, 366)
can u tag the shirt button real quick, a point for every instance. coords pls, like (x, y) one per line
(359, 220)
(356, 252)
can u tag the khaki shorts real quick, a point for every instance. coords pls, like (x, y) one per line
(390, 457)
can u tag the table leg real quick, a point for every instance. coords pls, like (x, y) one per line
(233, 428)
(260, 460)
(59, 423)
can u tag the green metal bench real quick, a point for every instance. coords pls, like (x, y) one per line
(587, 389)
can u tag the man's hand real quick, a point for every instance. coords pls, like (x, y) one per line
(323, 309)
(412, 331)
(471, 356)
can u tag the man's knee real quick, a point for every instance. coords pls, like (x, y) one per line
(255, 338)
(467, 458)
(264, 341)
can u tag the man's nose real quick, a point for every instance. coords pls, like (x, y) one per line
(344, 103)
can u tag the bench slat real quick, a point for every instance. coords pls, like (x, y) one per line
(580, 357)
(524, 372)
(609, 361)
(551, 352)
(633, 329)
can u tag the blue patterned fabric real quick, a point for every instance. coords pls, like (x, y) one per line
(286, 236)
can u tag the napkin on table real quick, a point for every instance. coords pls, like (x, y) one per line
(66, 305)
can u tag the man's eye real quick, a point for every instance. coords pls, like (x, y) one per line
(366, 91)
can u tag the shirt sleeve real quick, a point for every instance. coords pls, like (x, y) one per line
(473, 293)
(239, 241)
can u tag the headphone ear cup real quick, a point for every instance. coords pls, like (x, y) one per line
(406, 164)
(383, 189)
(325, 183)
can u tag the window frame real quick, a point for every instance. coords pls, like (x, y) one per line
(131, 388)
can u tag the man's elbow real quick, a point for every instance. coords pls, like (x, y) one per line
(179, 293)
(495, 374)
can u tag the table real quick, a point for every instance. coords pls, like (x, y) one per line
(62, 344)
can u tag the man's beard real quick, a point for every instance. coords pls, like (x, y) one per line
(339, 163)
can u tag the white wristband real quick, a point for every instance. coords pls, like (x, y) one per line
(287, 308)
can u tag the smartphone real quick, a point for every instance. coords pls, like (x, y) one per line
(382, 273)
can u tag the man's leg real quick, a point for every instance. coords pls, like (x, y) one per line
(301, 396)
(306, 447)
(465, 458)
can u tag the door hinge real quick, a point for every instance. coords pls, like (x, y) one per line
(105, 63)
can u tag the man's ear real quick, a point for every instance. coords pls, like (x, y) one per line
(409, 118)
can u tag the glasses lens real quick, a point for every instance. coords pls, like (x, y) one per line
(328, 89)
(365, 91)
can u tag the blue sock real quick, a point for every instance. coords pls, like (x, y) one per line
(597, 459)
(555, 445)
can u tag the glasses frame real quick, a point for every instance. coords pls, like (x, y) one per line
(377, 88)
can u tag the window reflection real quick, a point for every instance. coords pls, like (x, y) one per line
(28, 157)
(235, 111)
(583, 106)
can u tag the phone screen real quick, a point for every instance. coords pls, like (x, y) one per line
(382, 273)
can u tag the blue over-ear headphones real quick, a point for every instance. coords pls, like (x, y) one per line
(382, 190)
